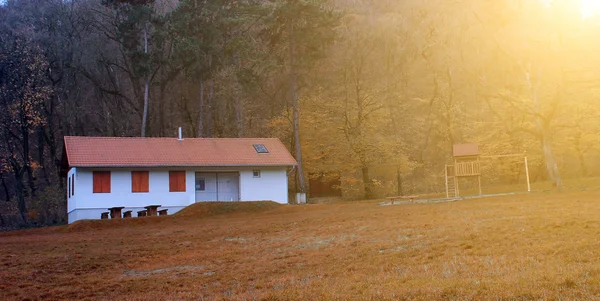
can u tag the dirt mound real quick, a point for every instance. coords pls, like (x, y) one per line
(199, 210)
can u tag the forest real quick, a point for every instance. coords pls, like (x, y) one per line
(373, 93)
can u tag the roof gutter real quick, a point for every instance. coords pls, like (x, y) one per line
(291, 171)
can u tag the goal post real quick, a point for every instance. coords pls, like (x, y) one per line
(482, 166)
(523, 161)
(469, 167)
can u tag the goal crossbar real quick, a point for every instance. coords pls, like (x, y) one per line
(503, 156)
(452, 177)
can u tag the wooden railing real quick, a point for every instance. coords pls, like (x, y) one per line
(465, 169)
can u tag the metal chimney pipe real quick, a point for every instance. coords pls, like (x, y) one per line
(180, 135)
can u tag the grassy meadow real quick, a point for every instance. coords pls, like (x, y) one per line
(521, 247)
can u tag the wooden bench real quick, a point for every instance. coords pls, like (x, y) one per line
(104, 215)
(142, 213)
(115, 212)
(163, 212)
(127, 214)
(403, 197)
(152, 210)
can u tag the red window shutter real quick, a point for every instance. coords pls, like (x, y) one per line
(172, 181)
(135, 183)
(106, 184)
(182, 181)
(101, 181)
(139, 181)
(145, 182)
(176, 181)
(97, 182)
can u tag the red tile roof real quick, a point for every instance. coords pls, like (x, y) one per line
(154, 152)
(463, 150)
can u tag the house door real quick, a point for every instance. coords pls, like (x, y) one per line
(217, 186)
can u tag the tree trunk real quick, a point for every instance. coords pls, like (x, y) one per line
(145, 114)
(41, 152)
(209, 122)
(551, 166)
(161, 110)
(300, 180)
(5, 187)
(367, 183)
(399, 182)
(542, 126)
(27, 161)
(210, 104)
(239, 119)
(582, 166)
(201, 111)
(146, 89)
(20, 196)
(239, 105)
(449, 112)
(50, 139)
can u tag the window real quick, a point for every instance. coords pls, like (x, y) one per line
(139, 181)
(256, 173)
(73, 185)
(200, 184)
(69, 187)
(101, 181)
(177, 181)
(261, 148)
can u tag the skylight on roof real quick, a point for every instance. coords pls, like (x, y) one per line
(261, 148)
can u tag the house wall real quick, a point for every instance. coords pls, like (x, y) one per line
(272, 185)
(71, 199)
(90, 205)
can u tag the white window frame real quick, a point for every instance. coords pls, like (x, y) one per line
(200, 179)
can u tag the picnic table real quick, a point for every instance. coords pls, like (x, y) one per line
(152, 210)
(142, 213)
(115, 212)
(163, 212)
(403, 197)
(127, 214)
(104, 215)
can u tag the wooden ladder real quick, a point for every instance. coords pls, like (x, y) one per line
(451, 185)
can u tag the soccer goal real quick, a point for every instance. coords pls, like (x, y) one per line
(497, 173)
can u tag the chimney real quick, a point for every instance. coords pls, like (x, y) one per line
(180, 135)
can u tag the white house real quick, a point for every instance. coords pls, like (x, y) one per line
(105, 172)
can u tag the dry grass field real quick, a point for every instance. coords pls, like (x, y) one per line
(523, 247)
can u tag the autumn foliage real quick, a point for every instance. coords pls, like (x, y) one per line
(373, 94)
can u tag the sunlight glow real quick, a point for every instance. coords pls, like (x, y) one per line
(589, 8)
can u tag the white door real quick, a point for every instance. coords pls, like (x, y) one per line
(206, 186)
(222, 186)
(228, 186)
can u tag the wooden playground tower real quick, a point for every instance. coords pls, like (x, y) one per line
(467, 163)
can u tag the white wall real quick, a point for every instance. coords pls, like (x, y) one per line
(89, 204)
(271, 186)
(80, 214)
(71, 200)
